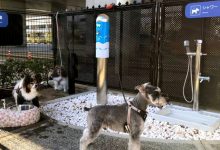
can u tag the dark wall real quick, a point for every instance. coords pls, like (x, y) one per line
(144, 48)
(13, 33)
(177, 28)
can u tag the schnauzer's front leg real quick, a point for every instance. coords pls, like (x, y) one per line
(89, 135)
(84, 141)
(134, 143)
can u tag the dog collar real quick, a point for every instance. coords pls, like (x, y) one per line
(142, 113)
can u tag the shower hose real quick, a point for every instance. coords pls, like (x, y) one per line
(189, 72)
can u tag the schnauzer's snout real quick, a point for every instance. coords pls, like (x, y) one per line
(166, 97)
(160, 107)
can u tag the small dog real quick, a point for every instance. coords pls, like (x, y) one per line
(60, 79)
(25, 91)
(115, 116)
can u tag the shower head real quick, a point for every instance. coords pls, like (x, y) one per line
(186, 44)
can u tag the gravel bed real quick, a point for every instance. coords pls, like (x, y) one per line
(70, 111)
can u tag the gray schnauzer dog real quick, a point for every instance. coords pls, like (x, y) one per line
(115, 116)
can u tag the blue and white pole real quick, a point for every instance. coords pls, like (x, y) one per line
(102, 53)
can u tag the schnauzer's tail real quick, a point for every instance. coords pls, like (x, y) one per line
(86, 109)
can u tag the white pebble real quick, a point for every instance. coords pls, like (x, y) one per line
(70, 111)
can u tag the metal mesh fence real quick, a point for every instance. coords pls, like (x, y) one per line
(176, 28)
(211, 64)
(25, 42)
(130, 47)
(39, 36)
(114, 60)
(144, 40)
(174, 60)
(37, 39)
(84, 44)
(139, 44)
(136, 47)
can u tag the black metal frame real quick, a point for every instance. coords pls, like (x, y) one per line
(45, 55)
(157, 71)
(120, 9)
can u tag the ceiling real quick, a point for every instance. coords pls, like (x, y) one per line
(42, 5)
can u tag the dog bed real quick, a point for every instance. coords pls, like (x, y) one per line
(22, 116)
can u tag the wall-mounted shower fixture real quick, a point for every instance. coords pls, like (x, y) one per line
(197, 75)
(203, 120)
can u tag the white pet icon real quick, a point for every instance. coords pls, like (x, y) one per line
(195, 10)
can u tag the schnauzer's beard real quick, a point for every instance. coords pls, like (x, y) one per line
(158, 102)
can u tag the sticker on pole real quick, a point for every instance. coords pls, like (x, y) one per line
(102, 36)
(203, 9)
(3, 19)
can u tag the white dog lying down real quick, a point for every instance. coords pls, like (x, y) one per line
(59, 79)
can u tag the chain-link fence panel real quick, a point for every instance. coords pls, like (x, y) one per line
(176, 28)
(136, 47)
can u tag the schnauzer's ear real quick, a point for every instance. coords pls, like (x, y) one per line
(146, 84)
(141, 88)
(158, 89)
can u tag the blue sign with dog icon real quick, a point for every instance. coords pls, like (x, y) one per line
(102, 36)
(3, 19)
(102, 32)
(203, 9)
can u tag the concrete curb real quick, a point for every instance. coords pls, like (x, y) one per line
(199, 145)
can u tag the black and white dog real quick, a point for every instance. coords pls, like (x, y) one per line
(25, 91)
